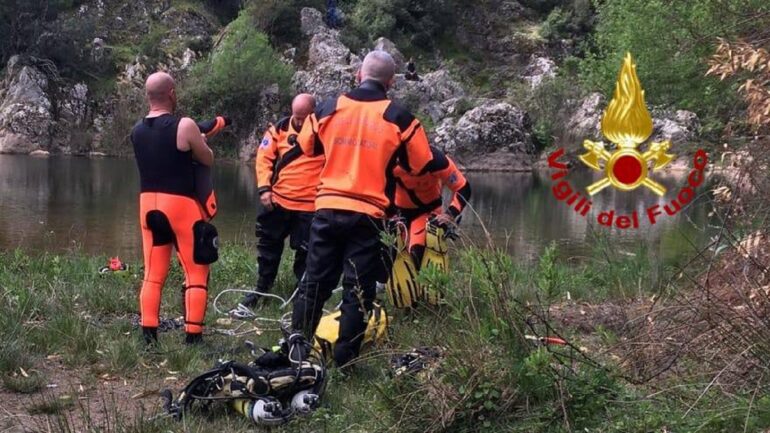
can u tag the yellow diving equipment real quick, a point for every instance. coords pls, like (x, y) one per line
(402, 288)
(436, 255)
(328, 330)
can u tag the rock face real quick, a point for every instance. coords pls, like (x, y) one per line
(385, 44)
(186, 25)
(538, 70)
(585, 123)
(37, 113)
(269, 102)
(495, 136)
(679, 126)
(25, 110)
(312, 22)
(434, 95)
(331, 65)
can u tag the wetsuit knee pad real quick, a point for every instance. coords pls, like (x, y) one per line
(159, 225)
(206, 243)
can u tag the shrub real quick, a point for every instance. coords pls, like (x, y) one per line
(670, 41)
(573, 21)
(412, 22)
(233, 78)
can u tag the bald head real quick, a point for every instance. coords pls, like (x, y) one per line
(159, 89)
(302, 106)
(379, 66)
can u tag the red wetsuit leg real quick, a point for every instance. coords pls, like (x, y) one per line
(417, 232)
(157, 259)
(183, 213)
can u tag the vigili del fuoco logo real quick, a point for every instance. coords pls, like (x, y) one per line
(627, 125)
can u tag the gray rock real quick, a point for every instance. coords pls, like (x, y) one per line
(385, 44)
(312, 22)
(538, 70)
(331, 66)
(269, 103)
(326, 48)
(585, 123)
(494, 136)
(69, 134)
(324, 81)
(679, 127)
(25, 110)
(185, 25)
(188, 58)
(428, 96)
(40, 112)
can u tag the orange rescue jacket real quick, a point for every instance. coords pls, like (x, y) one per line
(422, 193)
(283, 169)
(363, 135)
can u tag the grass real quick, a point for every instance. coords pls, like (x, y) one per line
(64, 320)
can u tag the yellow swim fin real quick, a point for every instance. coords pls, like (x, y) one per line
(436, 255)
(402, 288)
(328, 330)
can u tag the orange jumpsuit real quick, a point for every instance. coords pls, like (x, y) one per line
(362, 134)
(283, 169)
(292, 177)
(419, 197)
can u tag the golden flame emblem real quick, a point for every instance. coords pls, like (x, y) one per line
(627, 124)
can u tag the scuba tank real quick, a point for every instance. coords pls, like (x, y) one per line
(261, 411)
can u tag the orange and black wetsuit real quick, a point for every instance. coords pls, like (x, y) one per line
(292, 177)
(419, 197)
(362, 134)
(168, 210)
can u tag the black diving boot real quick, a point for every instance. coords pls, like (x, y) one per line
(150, 335)
(193, 339)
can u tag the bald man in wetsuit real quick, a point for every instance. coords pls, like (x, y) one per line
(287, 182)
(166, 148)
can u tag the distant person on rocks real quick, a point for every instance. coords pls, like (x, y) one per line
(332, 14)
(411, 71)
(166, 148)
(287, 182)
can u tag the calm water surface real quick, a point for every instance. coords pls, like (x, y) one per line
(60, 203)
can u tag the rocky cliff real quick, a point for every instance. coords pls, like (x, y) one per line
(489, 129)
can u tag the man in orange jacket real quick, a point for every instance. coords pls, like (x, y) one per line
(287, 183)
(418, 198)
(362, 135)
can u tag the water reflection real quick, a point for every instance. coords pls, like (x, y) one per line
(60, 203)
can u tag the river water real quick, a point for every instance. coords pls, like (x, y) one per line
(62, 203)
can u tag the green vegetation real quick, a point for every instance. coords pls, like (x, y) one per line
(62, 319)
(234, 77)
(573, 21)
(411, 24)
(671, 41)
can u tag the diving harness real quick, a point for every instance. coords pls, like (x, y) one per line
(270, 391)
